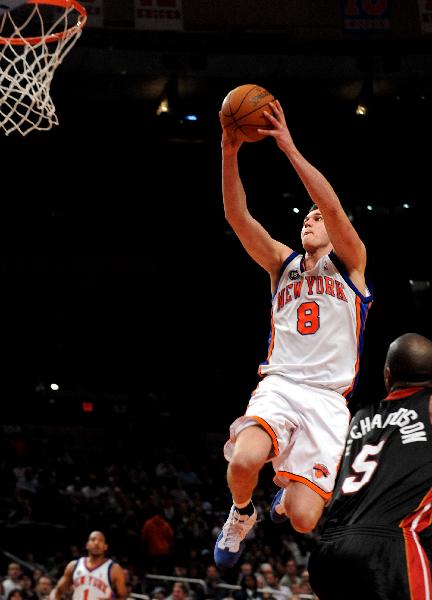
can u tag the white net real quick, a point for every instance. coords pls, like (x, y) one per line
(34, 39)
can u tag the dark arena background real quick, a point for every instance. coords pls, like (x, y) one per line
(133, 322)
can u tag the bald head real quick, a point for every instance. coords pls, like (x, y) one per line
(408, 361)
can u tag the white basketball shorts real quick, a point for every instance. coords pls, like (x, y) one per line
(308, 426)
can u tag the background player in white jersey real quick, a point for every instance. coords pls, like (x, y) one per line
(92, 577)
(297, 417)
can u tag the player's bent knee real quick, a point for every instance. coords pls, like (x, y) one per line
(243, 465)
(304, 521)
(303, 525)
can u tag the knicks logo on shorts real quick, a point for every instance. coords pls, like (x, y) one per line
(320, 470)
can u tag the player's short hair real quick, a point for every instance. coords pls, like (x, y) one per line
(313, 207)
(409, 358)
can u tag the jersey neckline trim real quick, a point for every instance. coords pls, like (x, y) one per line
(90, 569)
(409, 391)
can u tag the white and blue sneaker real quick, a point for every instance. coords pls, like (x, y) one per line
(229, 545)
(274, 515)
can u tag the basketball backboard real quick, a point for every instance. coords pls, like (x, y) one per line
(6, 5)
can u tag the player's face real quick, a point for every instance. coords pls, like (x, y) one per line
(313, 233)
(96, 544)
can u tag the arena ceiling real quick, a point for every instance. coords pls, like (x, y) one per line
(120, 274)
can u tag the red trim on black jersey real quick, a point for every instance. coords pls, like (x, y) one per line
(417, 562)
(398, 394)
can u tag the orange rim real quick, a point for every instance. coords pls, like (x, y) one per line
(67, 4)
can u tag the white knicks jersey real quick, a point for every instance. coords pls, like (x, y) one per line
(92, 584)
(318, 319)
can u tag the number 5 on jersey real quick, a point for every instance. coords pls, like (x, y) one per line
(363, 467)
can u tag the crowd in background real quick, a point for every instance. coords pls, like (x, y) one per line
(160, 508)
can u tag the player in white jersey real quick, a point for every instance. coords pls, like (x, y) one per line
(92, 577)
(298, 416)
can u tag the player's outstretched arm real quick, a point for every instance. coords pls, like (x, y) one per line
(258, 243)
(64, 584)
(344, 238)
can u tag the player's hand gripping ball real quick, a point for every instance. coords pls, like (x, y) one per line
(242, 110)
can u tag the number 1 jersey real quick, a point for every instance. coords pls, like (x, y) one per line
(92, 584)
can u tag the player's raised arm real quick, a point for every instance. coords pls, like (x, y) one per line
(64, 584)
(258, 243)
(345, 240)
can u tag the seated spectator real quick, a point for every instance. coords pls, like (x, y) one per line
(37, 573)
(272, 586)
(249, 588)
(212, 580)
(165, 470)
(27, 586)
(15, 594)
(43, 588)
(159, 593)
(245, 568)
(12, 580)
(303, 587)
(263, 569)
(291, 576)
(180, 591)
(188, 475)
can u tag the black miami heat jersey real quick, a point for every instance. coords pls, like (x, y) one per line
(377, 484)
(376, 539)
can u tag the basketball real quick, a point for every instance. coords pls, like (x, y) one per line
(243, 108)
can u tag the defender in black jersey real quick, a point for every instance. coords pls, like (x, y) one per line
(376, 538)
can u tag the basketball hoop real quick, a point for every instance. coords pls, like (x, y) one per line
(34, 39)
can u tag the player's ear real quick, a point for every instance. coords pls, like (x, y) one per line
(388, 380)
